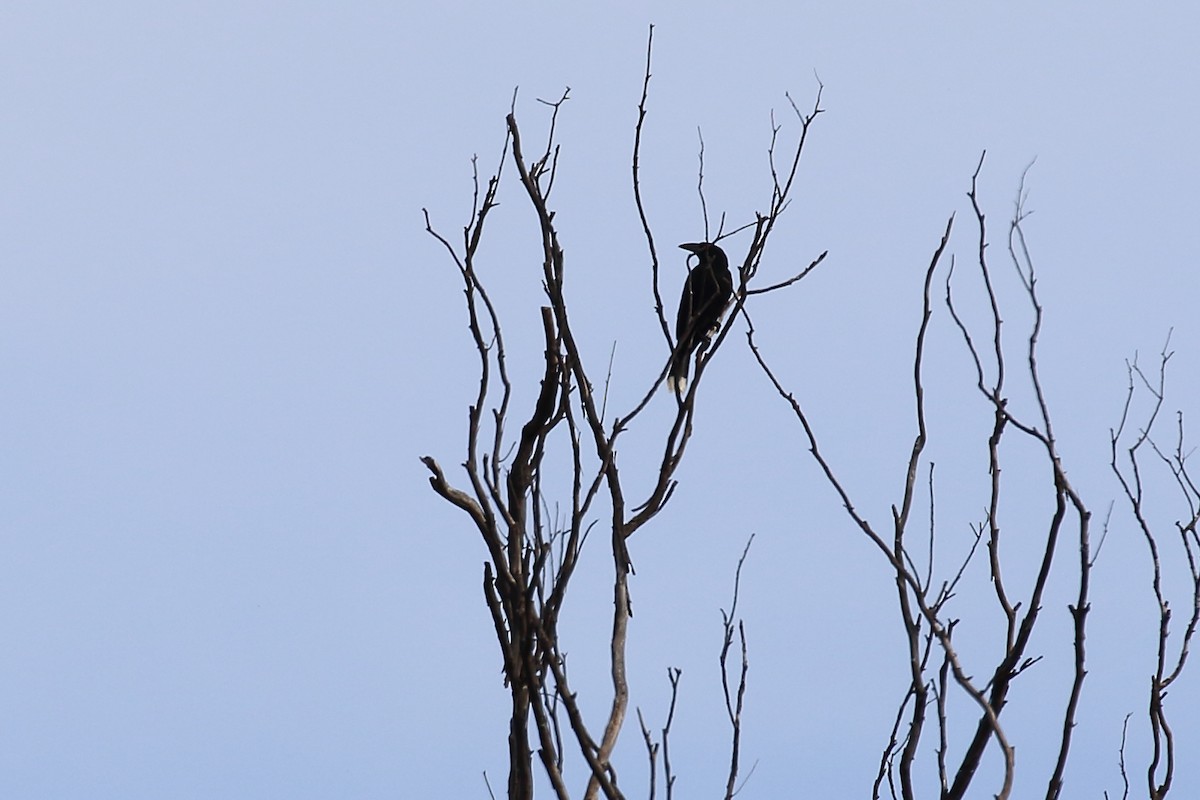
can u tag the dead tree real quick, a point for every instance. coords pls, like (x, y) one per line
(531, 553)
(569, 438)
(934, 664)
(936, 668)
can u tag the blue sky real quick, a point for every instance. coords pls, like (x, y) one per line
(225, 339)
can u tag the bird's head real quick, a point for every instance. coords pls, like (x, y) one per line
(708, 253)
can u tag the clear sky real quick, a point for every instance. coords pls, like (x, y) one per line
(225, 339)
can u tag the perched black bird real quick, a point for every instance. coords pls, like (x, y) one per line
(705, 295)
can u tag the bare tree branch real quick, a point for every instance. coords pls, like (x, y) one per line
(1160, 772)
(921, 602)
(734, 700)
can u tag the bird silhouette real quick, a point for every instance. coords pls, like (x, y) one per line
(706, 292)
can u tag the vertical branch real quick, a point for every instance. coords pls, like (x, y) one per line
(734, 701)
(652, 747)
(651, 752)
(904, 575)
(637, 194)
(887, 759)
(673, 675)
(700, 185)
(995, 394)
(1121, 760)
(943, 744)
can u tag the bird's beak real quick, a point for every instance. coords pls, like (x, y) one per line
(692, 247)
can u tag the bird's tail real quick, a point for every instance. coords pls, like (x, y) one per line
(677, 378)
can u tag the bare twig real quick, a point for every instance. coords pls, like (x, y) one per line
(637, 196)
(651, 753)
(734, 700)
(673, 675)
